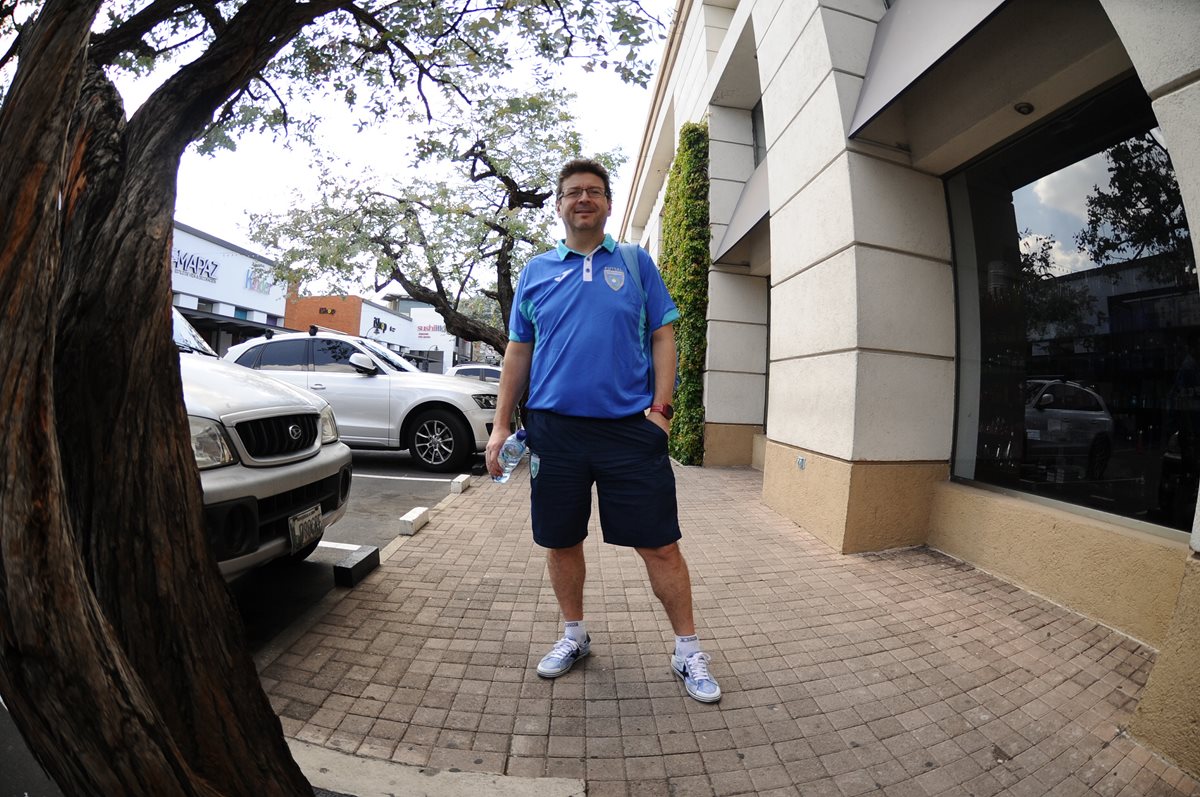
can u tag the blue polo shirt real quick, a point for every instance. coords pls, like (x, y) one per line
(583, 314)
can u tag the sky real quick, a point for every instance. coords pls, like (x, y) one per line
(217, 193)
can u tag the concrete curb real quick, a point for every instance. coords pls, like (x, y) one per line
(373, 777)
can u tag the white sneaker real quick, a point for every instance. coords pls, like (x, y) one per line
(563, 656)
(694, 672)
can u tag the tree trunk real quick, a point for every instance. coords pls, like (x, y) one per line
(121, 657)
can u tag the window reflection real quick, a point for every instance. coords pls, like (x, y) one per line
(1081, 377)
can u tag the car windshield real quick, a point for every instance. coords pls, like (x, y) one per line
(395, 361)
(186, 337)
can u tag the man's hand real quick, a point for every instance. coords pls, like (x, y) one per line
(657, 419)
(491, 455)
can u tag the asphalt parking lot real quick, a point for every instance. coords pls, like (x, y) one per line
(386, 486)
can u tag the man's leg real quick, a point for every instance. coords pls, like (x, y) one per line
(567, 572)
(673, 587)
(671, 584)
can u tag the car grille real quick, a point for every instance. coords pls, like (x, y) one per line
(270, 437)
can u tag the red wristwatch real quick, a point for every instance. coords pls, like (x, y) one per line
(665, 410)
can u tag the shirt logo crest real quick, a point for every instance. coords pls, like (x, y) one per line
(614, 278)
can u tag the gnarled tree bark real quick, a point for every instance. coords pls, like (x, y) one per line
(123, 662)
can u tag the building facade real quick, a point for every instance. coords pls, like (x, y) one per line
(953, 299)
(223, 290)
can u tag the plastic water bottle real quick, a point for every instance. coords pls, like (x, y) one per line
(510, 454)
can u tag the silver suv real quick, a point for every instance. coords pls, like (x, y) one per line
(382, 400)
(273, 472)
(1069, 423)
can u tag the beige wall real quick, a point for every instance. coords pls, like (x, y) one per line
(728, 444)
(1168, 716)
(852, 506)
(1124, 578)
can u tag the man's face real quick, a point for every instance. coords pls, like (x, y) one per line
(582, 205)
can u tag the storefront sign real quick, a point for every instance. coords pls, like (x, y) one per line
(190, 265)
(426, 330)
(257, 281)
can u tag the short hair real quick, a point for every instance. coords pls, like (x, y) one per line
(584, 166)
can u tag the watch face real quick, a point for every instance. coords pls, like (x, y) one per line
(666, 410)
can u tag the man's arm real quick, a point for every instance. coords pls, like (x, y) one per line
(513, 378)
(662, 352)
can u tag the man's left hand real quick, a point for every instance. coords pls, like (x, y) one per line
(660, 421)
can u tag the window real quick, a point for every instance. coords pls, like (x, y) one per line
(1079, 316)
(249, 357)
(205, 306)
(758, 132)
(285, 355)
(333, 355)
(241, 312)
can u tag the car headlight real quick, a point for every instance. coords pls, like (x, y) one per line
(329, 430)
(486, 401)
(209, 444)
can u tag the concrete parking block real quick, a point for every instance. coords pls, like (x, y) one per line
(355, 566)
(417, 517)
(461, 484)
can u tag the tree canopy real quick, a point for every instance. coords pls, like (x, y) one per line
(444, 239)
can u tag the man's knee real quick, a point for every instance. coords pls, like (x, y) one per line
(666, 554)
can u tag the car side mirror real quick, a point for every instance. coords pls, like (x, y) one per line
(1044, 401)
(362, 363)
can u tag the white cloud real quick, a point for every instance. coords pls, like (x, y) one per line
(1063, 260)
(1067, 189)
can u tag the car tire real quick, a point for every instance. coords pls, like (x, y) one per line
(439, 441)
(1098, 454)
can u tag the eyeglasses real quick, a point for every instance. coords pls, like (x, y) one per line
(593, 192)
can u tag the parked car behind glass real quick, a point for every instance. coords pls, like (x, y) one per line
(382, 400)
(1068, 423)
(273, 472)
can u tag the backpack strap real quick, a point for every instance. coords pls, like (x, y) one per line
(629, 253)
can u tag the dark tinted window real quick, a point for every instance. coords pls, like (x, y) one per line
(249, 357)
(469, 372)
(285, 355)
(1076, 273)
(333, 355)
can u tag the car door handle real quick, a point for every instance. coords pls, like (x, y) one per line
(316, 386)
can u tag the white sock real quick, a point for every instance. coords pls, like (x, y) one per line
(687, 645)
(576, 630)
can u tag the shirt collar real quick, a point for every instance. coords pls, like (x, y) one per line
(609, 243)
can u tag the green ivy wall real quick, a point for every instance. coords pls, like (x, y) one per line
(684, 262)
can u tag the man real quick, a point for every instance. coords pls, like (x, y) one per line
(578, 334)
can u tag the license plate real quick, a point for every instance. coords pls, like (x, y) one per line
(305, 527)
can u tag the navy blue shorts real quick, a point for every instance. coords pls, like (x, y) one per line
(626, 458)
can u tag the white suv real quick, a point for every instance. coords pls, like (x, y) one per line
(381, 399)
(272, 470)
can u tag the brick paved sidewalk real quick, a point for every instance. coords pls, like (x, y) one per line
(904, 673)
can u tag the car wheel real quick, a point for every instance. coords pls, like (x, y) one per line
(438, 441)
(1098, 455)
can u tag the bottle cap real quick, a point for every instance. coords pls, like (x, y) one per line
(521, 434)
